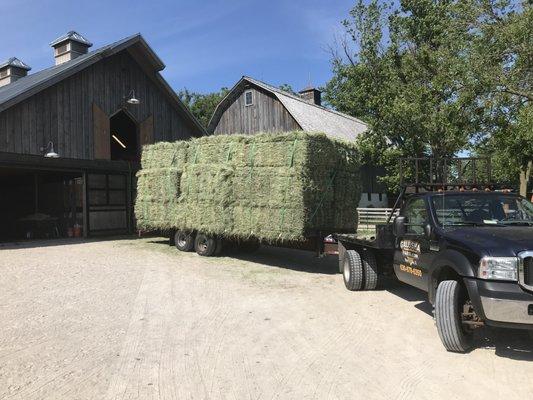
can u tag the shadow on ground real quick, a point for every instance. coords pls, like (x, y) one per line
(29, 244)
(296, 260)
(515, 344)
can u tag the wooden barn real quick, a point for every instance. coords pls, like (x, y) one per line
(71, 136)
(253, 106)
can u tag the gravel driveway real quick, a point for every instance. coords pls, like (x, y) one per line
(135, 319)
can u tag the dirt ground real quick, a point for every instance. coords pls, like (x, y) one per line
(136, 319)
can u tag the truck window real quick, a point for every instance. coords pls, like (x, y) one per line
(416, 213)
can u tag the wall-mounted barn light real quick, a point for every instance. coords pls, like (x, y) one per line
(49, 150)
(131, 99)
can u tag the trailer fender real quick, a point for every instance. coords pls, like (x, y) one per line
(448, 265)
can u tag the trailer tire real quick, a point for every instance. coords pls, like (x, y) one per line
(220, 246)
(370, 270)
(205, 245)
(449, 300)
(184, 241)
(249, 246)
(352, 270)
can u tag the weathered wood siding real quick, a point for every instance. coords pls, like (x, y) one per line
(266, 114)
(63, 113)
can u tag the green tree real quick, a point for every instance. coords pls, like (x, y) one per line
(408, 84)
(202, 105)
(502, 61)
(287, 88)
(436, 77)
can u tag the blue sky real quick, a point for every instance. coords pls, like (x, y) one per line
(205, 44)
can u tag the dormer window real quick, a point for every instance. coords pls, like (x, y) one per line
(248, 98)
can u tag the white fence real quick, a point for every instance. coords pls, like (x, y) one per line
(369, 217)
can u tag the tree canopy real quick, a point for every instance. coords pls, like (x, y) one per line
(202, 105)
(435, 78)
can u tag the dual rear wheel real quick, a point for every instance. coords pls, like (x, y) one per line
(210, 245)
(204, 245)
(360, 270)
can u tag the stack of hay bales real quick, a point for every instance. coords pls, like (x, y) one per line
(283, 186)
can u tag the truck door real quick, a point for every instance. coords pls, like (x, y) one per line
(412, 256)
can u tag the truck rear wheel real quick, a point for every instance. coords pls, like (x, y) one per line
(449, 303)
(205, 245)
(352, 271)
(370, 270)
(184, 241)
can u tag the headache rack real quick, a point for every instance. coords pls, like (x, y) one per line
(428, 174)
(431, 174)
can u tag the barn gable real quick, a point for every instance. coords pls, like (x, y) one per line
(277, 110)
(57, 104)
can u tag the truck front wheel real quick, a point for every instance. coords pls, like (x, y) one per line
(352, 271)
(449, 302)
(184, 241)
(205, 245)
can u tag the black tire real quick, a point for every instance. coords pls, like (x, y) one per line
(249, 246)
(370, 270)
(220, 247)
(352, 270)
(184, 241)
(448, 305)
(205, 245)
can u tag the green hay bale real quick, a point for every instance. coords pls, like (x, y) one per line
(269, 186)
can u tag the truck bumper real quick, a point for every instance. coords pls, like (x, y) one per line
(503, 304)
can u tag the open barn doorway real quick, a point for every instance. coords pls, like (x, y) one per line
(124, 137)
(40, 204)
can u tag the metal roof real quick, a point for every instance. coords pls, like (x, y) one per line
(310, 117)
(15, 62)
(73, 36)
(28, 86)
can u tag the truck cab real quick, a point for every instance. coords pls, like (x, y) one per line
(470, 250)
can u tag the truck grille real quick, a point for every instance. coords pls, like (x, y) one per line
(525, 272)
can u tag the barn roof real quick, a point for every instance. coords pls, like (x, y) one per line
(29, 85)
(15, 62)
(72, 36)
(310, 117)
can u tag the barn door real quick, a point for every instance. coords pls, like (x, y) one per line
(107, 198)
(102, 141)
(146, 130)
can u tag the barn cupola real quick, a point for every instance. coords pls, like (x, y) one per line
(70, 46)
(11, 70)
(311, 95)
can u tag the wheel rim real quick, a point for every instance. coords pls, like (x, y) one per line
(346, 271)
(202, 245)
(182, 240)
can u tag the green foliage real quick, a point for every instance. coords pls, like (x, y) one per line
(287, 88)
(202, 105)
(502, 63)
(434, 78)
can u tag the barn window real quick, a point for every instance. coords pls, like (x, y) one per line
(248, 98)
(62, 49)
(124, 143)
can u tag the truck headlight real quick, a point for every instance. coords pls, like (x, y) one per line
(500, 268)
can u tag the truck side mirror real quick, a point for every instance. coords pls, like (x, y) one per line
(398, 226)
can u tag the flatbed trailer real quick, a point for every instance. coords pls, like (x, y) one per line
(209, 245)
